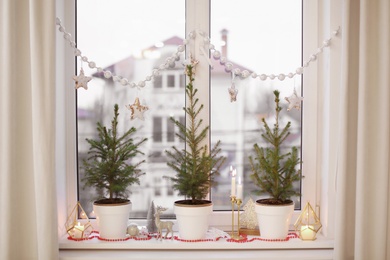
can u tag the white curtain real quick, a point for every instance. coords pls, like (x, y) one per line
(363, 185)
(28, 220)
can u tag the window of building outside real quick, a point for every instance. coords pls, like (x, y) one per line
(132, 37)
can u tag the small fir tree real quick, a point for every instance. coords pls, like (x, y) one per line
(273, 171)
(195, 166)
(108, 167)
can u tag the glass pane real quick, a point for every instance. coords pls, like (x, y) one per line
(130, 38)
(157, 129)
(261, 36)
(171, 81)
(158, 81)
(170, 131)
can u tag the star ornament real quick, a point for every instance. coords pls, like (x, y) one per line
(233, 93)
(294, 101)
(137, 110)
(81, 80)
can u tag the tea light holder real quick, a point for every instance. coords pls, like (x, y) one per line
(77, 224)
(308, 224)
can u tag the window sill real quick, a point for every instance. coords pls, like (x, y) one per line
(321, 248)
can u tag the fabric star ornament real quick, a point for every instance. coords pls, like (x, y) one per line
(81, 80)
(294, 101)
(137, 110)
(233, 93)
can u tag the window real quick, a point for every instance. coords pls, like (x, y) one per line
(170, 80)
(164, 130)
(117, 42)
(263, 39)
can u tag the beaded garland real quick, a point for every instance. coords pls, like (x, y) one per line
(205, 47)
(95, 234)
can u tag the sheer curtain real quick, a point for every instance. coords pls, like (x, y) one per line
(362, 229)
(27, 175)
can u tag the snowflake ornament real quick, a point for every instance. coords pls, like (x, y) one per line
(294, 101)
(233, 93)
(137, 110)
(81, 80)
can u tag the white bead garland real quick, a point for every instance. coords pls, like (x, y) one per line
(170, 61)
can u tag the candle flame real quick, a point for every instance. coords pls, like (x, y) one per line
(234, 173)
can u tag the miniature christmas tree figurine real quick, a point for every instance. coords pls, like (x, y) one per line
(248, 217)
(151, 225)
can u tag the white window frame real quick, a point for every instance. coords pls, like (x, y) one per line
(198, 18)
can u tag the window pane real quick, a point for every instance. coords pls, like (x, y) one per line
(261, 36)
(158, 81)
(171, 81)
(170, 131)
(130, 38)
(157, 129)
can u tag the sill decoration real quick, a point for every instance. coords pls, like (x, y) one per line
(168, 225)
(236, 201)
(249, 223)
(78, 225)
(308, 224)
(149, 236)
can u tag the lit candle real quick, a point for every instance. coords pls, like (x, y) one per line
(307, 233)
(233, 188)
(239, 189)
(78, 231)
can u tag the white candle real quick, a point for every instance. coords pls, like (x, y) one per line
(78, 231)
(307, 233)
(239, 189)
(233, 188)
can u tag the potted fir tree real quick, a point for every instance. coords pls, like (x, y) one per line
(274, 172)
(195, 167)
(109, 168)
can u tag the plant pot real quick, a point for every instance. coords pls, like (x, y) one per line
(193, 220)
(112, 219)
(274, 220)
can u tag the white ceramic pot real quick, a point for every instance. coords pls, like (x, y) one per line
(193, 220)
(274, 220)
(112, 219)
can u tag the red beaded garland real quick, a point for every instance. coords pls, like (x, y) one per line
(95, 234)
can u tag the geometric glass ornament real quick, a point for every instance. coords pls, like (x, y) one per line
(78, 225)
(308, 224)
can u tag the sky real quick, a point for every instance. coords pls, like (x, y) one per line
(110, 30)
